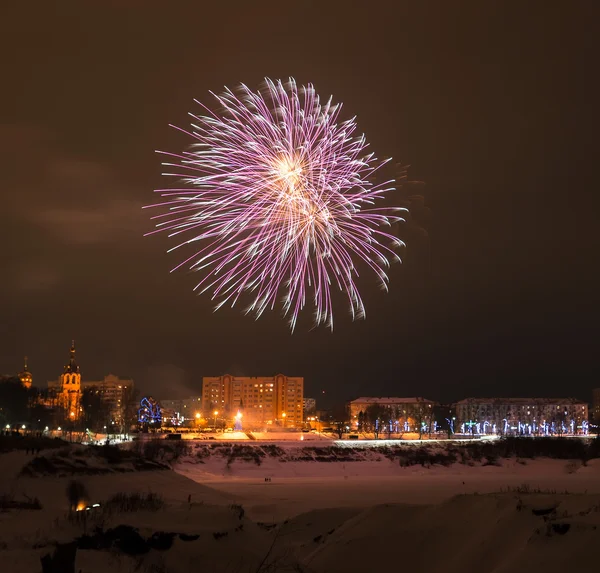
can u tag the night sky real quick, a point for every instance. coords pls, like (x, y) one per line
(492, 104)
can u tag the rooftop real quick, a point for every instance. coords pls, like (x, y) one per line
(521, 401)
(389, 400)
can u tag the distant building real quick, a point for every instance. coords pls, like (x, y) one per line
(309, 405)
(25, 376)
(263, 400)
(174, 405)
(407, 411)
(66, 391)
(596, 405)
(115, 393)
(186, 408)
(521, 416)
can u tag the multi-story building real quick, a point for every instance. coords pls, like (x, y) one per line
(596, 405)
(262, 400)
(115, 392)
(309, 405)
(521, 416)
(407, 412)
(186, 408)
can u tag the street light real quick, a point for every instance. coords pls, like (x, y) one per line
(283, 415)
(216, 413)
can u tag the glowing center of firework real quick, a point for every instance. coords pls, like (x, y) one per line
(302, 206)
(288, 171)
(296, 200)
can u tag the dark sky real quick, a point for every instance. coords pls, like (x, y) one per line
(493, 104)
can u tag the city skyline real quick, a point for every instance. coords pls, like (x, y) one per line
(497, 294)
(27, 378)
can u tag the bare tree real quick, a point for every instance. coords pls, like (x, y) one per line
(374, 414)
(423, 416)
(340, 428)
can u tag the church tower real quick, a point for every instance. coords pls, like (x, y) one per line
(70, 387)
(25, 376)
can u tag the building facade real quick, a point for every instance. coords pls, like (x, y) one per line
(182, 411)
(309, 405)
(522, 416)
(407, 413)
(116, 393)
(596, 406)
(276, 400)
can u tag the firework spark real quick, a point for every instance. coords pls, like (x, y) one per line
(278, 194)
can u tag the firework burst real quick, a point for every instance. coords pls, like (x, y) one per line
(279, 196)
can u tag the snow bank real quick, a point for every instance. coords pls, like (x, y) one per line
(295, 487)
(73, 460)
(321, 517)
(499, 533)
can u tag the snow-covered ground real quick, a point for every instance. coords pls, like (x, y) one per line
(296, 486)
(336, 516)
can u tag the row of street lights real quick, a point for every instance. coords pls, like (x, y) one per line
(198, 416)
(23, 427)
(238, 417)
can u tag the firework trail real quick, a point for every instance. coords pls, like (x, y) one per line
(279, 197)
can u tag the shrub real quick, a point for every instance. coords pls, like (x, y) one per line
(161, 450)
(202, 453)
(273, 450)
(218, 534)
(239, 509)
(112, 454)
(152, 450)
(572, 467)
(128, 502)
(8, 502)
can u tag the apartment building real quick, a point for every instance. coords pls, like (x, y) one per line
(262, 401)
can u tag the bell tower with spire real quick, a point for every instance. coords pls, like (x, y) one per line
(25, 376)
(70, 387)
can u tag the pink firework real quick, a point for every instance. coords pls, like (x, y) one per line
(278, 195)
